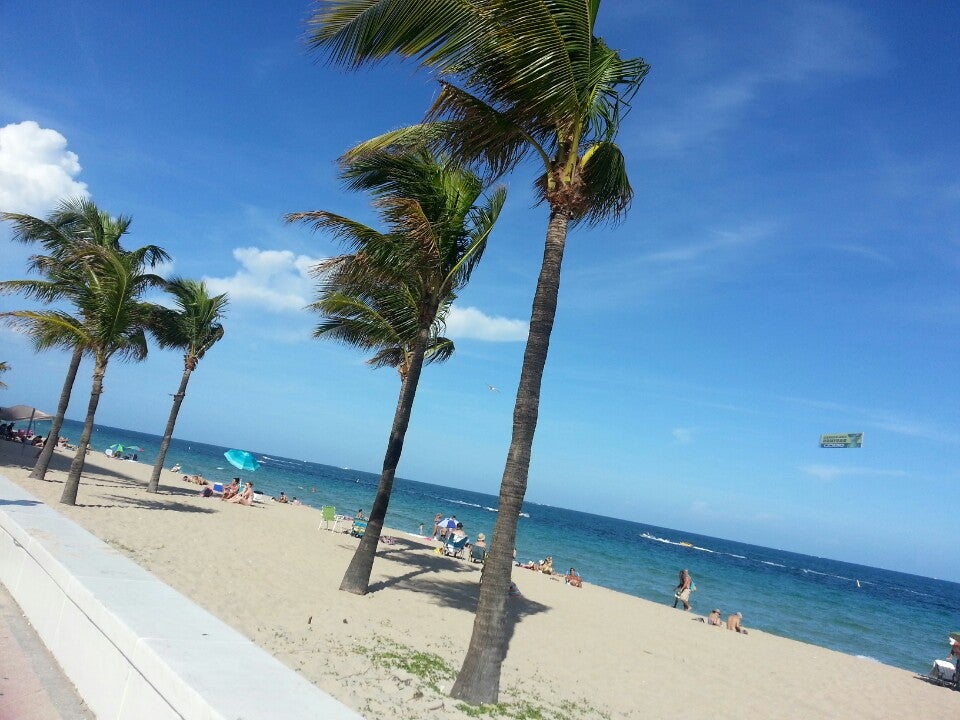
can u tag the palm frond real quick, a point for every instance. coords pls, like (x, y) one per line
(358, 32)
(48, 328)
(393, 290)
(605, 183)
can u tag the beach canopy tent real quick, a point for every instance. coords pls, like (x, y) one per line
(23, 412)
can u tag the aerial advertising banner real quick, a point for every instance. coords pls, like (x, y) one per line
(845, 440)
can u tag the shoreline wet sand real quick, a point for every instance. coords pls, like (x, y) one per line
(270, 572)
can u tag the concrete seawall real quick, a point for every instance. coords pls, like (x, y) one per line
(135, 648)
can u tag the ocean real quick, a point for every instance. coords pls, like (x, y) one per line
(891, 617)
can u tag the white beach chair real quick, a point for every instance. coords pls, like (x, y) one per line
(943, 672)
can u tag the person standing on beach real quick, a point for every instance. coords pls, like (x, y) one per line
(682, 593)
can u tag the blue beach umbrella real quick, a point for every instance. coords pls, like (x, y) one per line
(241, 460)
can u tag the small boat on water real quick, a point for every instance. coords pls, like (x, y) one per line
(684, 543)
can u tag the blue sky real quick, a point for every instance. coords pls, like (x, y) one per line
(789, 266)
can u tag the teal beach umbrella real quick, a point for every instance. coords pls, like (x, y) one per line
(241, 460)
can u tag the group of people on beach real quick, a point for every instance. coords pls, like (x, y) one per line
(681, 594)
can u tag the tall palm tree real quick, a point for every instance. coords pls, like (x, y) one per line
(518, 80)
(112, 324)
(193, 327)
(75, 222)
(4, 367)
(392, 294)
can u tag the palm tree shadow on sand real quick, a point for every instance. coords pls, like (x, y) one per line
(145, 503)
(461, 595)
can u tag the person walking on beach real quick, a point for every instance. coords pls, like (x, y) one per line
(683, 589)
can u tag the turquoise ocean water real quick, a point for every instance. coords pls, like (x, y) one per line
(892, 617)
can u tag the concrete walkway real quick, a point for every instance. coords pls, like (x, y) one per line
(32, 685)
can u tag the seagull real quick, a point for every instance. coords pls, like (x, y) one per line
(491, 388)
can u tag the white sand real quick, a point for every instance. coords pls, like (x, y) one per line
(586, 653)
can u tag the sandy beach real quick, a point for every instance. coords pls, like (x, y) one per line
(272, 573)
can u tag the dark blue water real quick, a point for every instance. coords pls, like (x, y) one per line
(896, 618)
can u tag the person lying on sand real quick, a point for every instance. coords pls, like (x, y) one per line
(573, 578)
(735, 622)
(244, 498)
(714, 618)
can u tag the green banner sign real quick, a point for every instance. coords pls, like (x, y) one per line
(845, 440)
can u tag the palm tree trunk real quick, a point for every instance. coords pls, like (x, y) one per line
(168, 433)
(479, 678)
(40, 469)
(69, 496)
(357, 577)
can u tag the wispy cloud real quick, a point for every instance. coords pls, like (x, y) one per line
(815, 43)
(830, 473)
(36, 169)
(863, 252)
(886, 420)
(273, 280)
(682, 436)
(469, 322)
(714, 243)
(672, 263)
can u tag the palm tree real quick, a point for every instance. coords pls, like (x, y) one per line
(193, 327)
(4, 367)
(111, 323)
(518, 80)
(75, 223)
(393, 293)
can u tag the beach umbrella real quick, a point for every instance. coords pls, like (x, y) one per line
(241, 460)
(449, 523)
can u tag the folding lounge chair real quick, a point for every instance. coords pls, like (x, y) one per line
(455, 548)
(328, 514)
(478, 554)
(359, 528)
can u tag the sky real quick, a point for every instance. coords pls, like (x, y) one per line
(789, 266)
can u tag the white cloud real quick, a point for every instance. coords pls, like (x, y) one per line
(36, 169)
(275, 280)
(835, 472)
(683, 436)
(469, 322)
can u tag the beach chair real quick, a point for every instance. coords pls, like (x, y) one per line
(455, 548)
(328, 514)
(359, 528)
(944, 673)
(478, 554)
